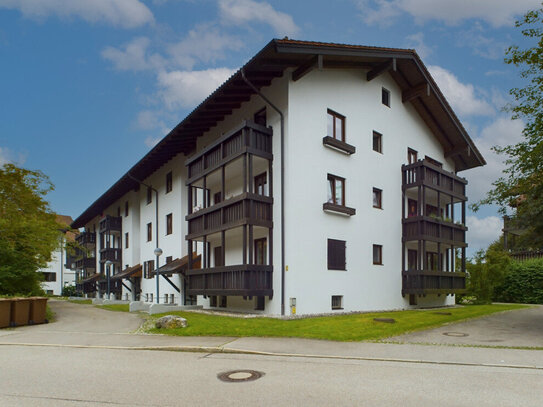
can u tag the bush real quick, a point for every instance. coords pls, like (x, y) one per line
(70, 291)
(523, 283)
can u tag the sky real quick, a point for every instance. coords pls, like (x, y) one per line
(88, 87)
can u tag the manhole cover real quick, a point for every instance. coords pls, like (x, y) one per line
(456, 334)
(236, 376)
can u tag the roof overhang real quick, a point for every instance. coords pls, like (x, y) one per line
(404, 65)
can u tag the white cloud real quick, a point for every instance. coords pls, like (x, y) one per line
(416, 41)
(123, 13)
(502, 131)
(8, 156)
(245, 11)
(151, 141)
(482, 231)
(498, 13)
(463, 97)
(134, 56)
(187, 88)
(204, 43)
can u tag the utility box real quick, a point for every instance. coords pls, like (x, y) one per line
(5, 312)
(38, 307)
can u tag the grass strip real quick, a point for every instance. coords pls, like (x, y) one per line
(114, 307)
(350, 327)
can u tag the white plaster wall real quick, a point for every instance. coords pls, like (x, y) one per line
(56, 265)
(364, 286)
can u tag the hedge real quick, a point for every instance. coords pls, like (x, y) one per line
(523, 283)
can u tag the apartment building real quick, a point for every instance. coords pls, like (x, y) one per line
(318, 178)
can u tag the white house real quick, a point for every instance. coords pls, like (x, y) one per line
(59, 272)
(319, 177)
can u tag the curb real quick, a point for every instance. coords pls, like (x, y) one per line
(218, 349)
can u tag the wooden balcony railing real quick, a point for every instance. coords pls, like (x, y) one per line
(248, 137)
(243, 209)
(111, 224)
(434, 229)
(86, 239)
(433, 282)
(247, 280)
(85, 263)
(113, 255)
(424, 173)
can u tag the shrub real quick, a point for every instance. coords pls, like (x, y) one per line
(523, 283)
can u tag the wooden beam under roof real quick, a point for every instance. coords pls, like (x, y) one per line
(458, 151)
(420, 90)
(314, 62)
(382, 68)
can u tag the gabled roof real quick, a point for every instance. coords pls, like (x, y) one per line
(404, 65)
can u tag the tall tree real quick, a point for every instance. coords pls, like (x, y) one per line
(29, 232)
(521, 186)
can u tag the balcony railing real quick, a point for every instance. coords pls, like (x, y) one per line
(110, 254)
(249, 137)
(434, 229)
(246, 280)
(424, 173)
(433, 282)
(85, 263)
(243, 209)
(86, 239)
(111, 224)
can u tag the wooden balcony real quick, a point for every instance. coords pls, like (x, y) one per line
(85, 263)
(244, 280)
(110, 224)
(243, 209)
(434, 229)
(424, 173)
(424, 282)
(113, 255)
(87, 239)
(249, 137)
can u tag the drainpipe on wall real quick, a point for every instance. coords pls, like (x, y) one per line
(253, 87)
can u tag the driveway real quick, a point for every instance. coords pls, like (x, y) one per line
(519, 328)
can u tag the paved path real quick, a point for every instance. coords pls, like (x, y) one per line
(520, 328)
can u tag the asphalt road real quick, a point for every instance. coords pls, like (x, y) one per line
(76, 363)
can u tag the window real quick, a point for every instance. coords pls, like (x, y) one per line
(126, 240)
(336, 190)
(337, 301)
(118, 211)
(218, 256)
(169, 224)
(149, 195)
(411, 156)
(260, 303)
(336, 254)
(49, 277)
(377, 198)
(223, 301)
(149, 231)
(385, 97)
(260, 184)
(217, 198)
(261, 251)
(336, 125)
(126, 208)
(377, 254)
(411, 208)
(377, 142)
(148, 268)
(169, 259)
(169, 182)
(213, 301)
(260, 117)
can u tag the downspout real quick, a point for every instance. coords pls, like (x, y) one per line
(253, 87)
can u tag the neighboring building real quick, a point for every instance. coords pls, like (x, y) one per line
(319, 177)
(59, 272)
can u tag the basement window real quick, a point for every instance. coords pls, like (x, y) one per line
(337, 302)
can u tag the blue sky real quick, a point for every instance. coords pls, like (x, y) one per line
(88, 87)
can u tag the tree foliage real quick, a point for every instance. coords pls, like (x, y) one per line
(523, 283)
(29, 232)
(521, 185)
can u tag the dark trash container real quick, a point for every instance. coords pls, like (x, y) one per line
(5, 312)
(20, 311)
(38, 307)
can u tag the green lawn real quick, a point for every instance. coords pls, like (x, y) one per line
(115, 307)
(353, 327)
(87, 301)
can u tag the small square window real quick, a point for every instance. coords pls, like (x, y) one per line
(336, 125)
(337, 301)
(377, 142)
(169, 182)
(385, 97)
(377, 254)
(377, 198)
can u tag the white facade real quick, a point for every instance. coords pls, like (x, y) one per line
(309, 284)
(57, 275)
